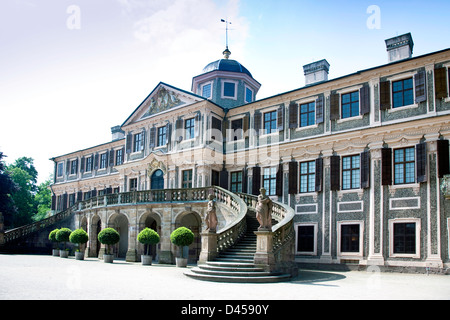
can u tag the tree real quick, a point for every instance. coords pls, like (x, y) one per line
(7, 187)
(43, 201)
(23, 196)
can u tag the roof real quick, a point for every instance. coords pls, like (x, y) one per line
(226, 65)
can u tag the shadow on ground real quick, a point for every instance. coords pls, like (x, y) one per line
(316, 277)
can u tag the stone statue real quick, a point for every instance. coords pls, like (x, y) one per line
(264, 211)
(211, 217)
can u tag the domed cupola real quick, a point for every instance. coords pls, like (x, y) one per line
(226, 82)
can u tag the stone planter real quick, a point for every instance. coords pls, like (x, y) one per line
(181, 262)
(79, 255)
(146, 260)
(64, 253)
(108, 258)
(55, 252)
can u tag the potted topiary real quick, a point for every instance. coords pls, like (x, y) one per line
(182, 237)
(79, 237)
(108, 237)
(63, 235)
(147, 237)
(52, 238)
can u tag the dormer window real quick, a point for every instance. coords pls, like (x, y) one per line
(229, 90)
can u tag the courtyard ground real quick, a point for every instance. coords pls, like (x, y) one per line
(31, 277)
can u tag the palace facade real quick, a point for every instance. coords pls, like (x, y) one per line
(359, 158)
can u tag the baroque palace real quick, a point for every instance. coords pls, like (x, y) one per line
(359, 160)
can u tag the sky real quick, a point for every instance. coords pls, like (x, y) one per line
(71, 70)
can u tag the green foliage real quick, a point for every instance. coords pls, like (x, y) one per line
(52, 235)
(7, 187)
(43, 201)
(182, 237)
(63, 235)
(79, 236)
(148, 237)
(108, 236)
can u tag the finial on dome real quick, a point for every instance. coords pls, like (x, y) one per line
(226, 53)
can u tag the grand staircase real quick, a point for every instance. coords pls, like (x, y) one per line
(236, 263)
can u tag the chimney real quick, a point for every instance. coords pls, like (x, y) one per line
(117, 133)
(400, 47)
(316, 72)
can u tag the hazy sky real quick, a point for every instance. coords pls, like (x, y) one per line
(71, 70)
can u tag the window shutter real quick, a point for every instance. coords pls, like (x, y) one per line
(258, 120)
(245, 125)
(168, 132)
(421, 162)
(319, 175)
(335, 172)
(224, 179)
(198, 120)
(80, 196)
(293, 177)
(65, 199)
(129, 142)
(420, 86)
(364, 93)
(244, 180)
(280, 118)
(443, 157)
(153, 137)
(53, 202)
(279, 181)
(179, 129)
(82, 165)
(96, 161)
(106, 158)
(256, 182)
(123, 155)
(111, 157)
(319, 110)
(143, 139)
(67, 167)
(94, 193)
(385, 95)
(365, 170)
(386, 166)
(440, 83)
(293, 115)
(334, 106)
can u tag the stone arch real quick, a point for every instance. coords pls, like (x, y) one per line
(93, 230)
(152, 220)
(193, 221)
(120, 222)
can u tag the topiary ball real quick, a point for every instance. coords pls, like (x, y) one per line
(182, 237)
(52, 235)
(79, 236)
(109, 236)
(63, 235)
(148, 236)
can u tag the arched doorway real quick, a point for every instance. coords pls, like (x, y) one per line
(120, 222)
(153, 221)
(192, 221)
(94, 230)
(157, 180)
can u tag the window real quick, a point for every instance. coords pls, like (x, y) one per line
(189, 125)
(270, 180)
(305, 239)
(402, 93)
(248, 95)
(229, 89)
(206, 91)
(119, 157)
(404, 162)
(187, 179)
(237, 130)
(73, 166)
(103, 161)
(350, 104)
(307, 176)
(133, 184)
(89, 164)
(351, 172)
(60, 169)
(405, 238)
(270, 122)
(350, 237)
(138, 143)
(307, 114)
(162, 136)
(236, 181)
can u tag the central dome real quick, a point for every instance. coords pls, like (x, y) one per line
(226, 65)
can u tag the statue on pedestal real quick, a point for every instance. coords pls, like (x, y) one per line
(264, 211)
(211, 217)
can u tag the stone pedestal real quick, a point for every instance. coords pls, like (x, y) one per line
(209, 247)
(264, 256)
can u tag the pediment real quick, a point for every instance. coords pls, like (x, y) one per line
(162, 99)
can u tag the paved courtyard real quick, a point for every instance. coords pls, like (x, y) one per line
(52, 278)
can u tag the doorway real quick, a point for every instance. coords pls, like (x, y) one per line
(157, 180)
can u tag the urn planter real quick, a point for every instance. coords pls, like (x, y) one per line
(146, 260)
(79, 255)
(55, 252)
(64, 253)
(108, 258)
(181, 262)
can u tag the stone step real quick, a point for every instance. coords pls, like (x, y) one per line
(238, 279)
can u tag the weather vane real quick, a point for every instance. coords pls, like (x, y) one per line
(227, 52)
